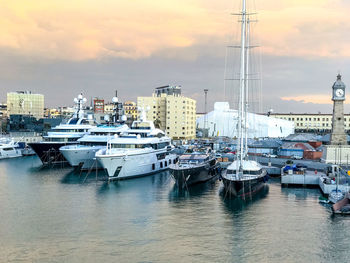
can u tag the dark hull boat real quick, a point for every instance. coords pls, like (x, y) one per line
(49, 152)
(195, 167)
(194, 175)
(244, 187)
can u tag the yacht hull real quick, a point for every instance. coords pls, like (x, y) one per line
(123, 167)
(49, 153)
(189, 176)
(244, 188)
(81, 156)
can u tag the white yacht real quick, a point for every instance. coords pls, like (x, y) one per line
(9, 149)
(141, 150)
(83, 154)
(63, 134)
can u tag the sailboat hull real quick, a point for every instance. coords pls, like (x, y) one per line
(243, 188)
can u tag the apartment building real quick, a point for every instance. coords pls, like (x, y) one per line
(171, 112)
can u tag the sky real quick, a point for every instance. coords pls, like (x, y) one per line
(61, 48)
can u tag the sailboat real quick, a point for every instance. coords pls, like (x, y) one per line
(243, 177)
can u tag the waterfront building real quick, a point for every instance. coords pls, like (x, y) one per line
(108, 108)
(25, 103)
(130, 110)
(99, 105)
(52, 113)
(309, 122)
(171, 112)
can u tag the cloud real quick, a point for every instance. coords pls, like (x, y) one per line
(310, 98)
(86, 29)
(91, 29)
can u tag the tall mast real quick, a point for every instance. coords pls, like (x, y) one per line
(246, 90)
(242, 91)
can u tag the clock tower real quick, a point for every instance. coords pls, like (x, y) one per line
(338, 135)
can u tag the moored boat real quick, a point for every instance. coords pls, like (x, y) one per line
(9, 149)
(195, 166)
(244, 181)
(63, 134)
(139, 151)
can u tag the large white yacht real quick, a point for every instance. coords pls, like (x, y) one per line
(63, 134)
(141, 150)
(9, 149)
(83, 154)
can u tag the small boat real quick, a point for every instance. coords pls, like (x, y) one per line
(323, 200)
(342, 206)
(9, 149)
(335, 196)
(195, 166)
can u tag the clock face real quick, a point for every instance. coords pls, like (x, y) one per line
(339, 92)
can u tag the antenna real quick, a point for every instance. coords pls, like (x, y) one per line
(205, 109)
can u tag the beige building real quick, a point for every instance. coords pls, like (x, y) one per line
(312, 122)
(25, 103)
(171, 112)
(130, 110)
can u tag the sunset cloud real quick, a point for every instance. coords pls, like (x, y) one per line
(91, 29)
(312, 98)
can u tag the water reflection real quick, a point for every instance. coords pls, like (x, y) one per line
(300, 194)
(178, 193)
(235, 205)
(139, 184)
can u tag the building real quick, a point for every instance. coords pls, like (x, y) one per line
(3, 110)
(223, 121)
(171, 112)
(338, 135)
(309, 122)
(338, 151)
(99, 105)
(130, 110)
(25, 103)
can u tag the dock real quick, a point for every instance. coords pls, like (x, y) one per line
(327, 186)
(306, 179)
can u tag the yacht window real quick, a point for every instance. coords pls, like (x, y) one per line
(245, 172)
(73, 121)
(7, 149)
(161, 165)
(131, 146)
(153, 166)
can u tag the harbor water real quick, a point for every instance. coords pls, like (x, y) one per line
(58, 215)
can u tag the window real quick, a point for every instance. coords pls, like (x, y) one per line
(161, 165)
(153, 166)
